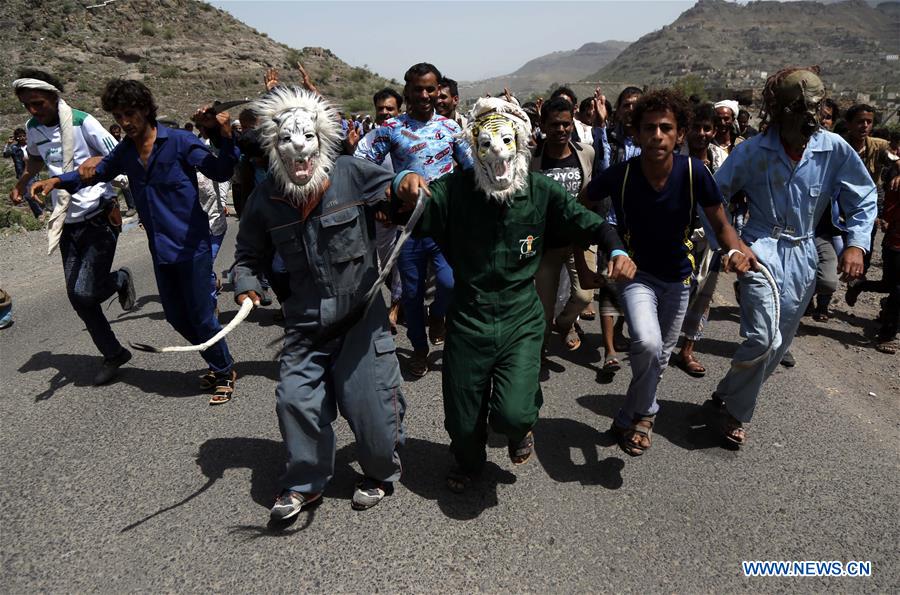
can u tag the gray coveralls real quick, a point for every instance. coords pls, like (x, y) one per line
(331, 261)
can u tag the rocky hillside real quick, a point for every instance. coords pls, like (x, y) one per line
(733, 45)
(536, 75)
(186, 51)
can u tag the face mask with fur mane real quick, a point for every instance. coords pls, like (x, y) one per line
(300, 133)
(498, 132)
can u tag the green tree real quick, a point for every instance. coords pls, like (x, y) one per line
(692, 85)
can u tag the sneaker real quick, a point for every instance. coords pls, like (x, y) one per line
(126, 292)
(370, 492)
(437, 330)
(290, 503)
(418, 363)
(110, 366)
(787, 360)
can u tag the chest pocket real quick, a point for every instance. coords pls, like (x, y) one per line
(812, 200)
(289, 244)
(343, 246)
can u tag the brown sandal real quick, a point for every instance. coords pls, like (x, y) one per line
(733, 430)
(691, 365)
(521, 452)
(224, 389)
(641, 429)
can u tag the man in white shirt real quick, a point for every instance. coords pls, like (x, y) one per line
(92, 222)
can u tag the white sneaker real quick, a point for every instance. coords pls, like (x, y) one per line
(370, 492)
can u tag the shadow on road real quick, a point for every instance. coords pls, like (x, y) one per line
(687, 425)
(555, 439)
(79, 370)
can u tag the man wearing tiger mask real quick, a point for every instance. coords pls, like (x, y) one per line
(493, 223)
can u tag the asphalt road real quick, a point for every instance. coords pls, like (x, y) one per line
(141, 486)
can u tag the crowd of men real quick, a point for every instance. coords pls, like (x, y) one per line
(520, 216)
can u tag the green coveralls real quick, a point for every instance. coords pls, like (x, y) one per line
(495, 325)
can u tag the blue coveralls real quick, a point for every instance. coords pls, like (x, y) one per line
(330, 258)
(786, 202)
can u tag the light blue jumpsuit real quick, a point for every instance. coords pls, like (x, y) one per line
(786, 201)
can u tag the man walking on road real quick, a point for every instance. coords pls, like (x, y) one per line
(86, 224)
(161, 165)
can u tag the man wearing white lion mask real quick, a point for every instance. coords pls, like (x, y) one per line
(493, 223)
(317, 211)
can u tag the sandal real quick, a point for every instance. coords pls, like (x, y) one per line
(572, 338)
(611, 364)
(458, 480)
(640, 429)
(224, 389)
(733, 430)
(889, 346)
(588, 314)
(520, 453)
(820, 316)
(691, 365)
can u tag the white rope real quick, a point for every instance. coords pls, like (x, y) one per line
(246, 307)
(776, 295)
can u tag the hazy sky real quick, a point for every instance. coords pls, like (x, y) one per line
(466, 40)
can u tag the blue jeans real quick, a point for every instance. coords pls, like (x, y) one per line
(413, 265)
(184, 293)
(87, 250)
(654, 310)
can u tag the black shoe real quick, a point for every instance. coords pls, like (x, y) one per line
(126, 292)
(787, 360)
(110, 366)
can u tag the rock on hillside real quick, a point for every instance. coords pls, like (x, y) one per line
(536, 75)
(186, 51)
(729, 44)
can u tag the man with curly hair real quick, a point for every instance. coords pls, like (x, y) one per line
(655, 196)
(494, 223)
(161, 164)
(790, 174)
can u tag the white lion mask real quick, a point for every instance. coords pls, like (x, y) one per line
(300, 134)
(499, 131)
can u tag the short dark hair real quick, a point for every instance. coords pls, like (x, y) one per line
(33, 73)
(857, 109)
(115, 126)
(835, 110)
(660, 101)
(421, 69)
(450, 84)
(704, 112)
(556, 104)
(743, 112)
(564, 91)
(121, 93)
(385, 93)
(585, 104)
(627, 91)
(18, 131)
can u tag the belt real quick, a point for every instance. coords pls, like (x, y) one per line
(784, 233)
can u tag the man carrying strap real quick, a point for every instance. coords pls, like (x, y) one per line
(86, 224)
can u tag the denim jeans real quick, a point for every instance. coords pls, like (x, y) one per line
(413, 265)
(654, 310)
(87, 250)
(215, 245)
(184, 293)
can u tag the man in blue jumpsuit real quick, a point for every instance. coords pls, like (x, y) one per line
(790, 175)
(317, 212)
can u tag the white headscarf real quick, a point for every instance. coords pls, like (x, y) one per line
(67, 137)
(730, 104)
